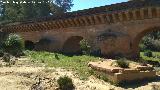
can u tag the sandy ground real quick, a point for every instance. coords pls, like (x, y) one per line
(30, 76)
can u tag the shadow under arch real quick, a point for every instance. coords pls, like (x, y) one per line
(44, 44)
(29, 45)
(72, 45)
(138, 38)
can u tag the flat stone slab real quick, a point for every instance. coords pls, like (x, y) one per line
(104, 66)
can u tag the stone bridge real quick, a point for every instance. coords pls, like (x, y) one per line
(112, 29)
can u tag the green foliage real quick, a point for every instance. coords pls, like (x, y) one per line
(122, 63)
(156, 45)
(155, 56)
(142, 47)
(151, 42)
(86, 49)
(148, 53)
(154, 60)
(14, 44)
(64, 4)
(77, 63)
(65, 83)
(15, 12)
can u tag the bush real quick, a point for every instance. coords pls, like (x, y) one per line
(6, 57)
(156, 45)
(122, 64)
(14, 45)
(151, 42)
(86, 49)
(142, 47)
(148, 53)
(65, 83)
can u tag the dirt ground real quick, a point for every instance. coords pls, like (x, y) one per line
(26, 75)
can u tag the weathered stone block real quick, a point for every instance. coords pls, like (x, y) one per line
(126, 71)
(118, 75)
(144, 68)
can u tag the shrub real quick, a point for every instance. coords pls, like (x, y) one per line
(122, 64)
(14, 45)
(142, 47)
(6, 57)
(148, 53)
(65, 83)
(151, 41)
(156, 45)
(86, 49)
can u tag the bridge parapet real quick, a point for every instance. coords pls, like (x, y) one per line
(110, 14)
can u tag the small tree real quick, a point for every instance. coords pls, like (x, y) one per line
(14, 45)
(85, 47)
(65, 83)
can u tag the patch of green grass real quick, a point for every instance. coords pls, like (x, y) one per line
(76, 63)
(155, 57)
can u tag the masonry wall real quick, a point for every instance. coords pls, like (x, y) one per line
(114, 39)
(91, 33)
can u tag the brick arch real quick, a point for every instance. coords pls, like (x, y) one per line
(71, 45)
(138, 38)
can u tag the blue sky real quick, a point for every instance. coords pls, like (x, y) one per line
(84, 4)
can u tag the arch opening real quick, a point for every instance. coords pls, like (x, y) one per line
(148, 39)
(43, 44)
(72, 46)
(29, 45)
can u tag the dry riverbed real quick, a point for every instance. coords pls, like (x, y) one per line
(27, 75)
